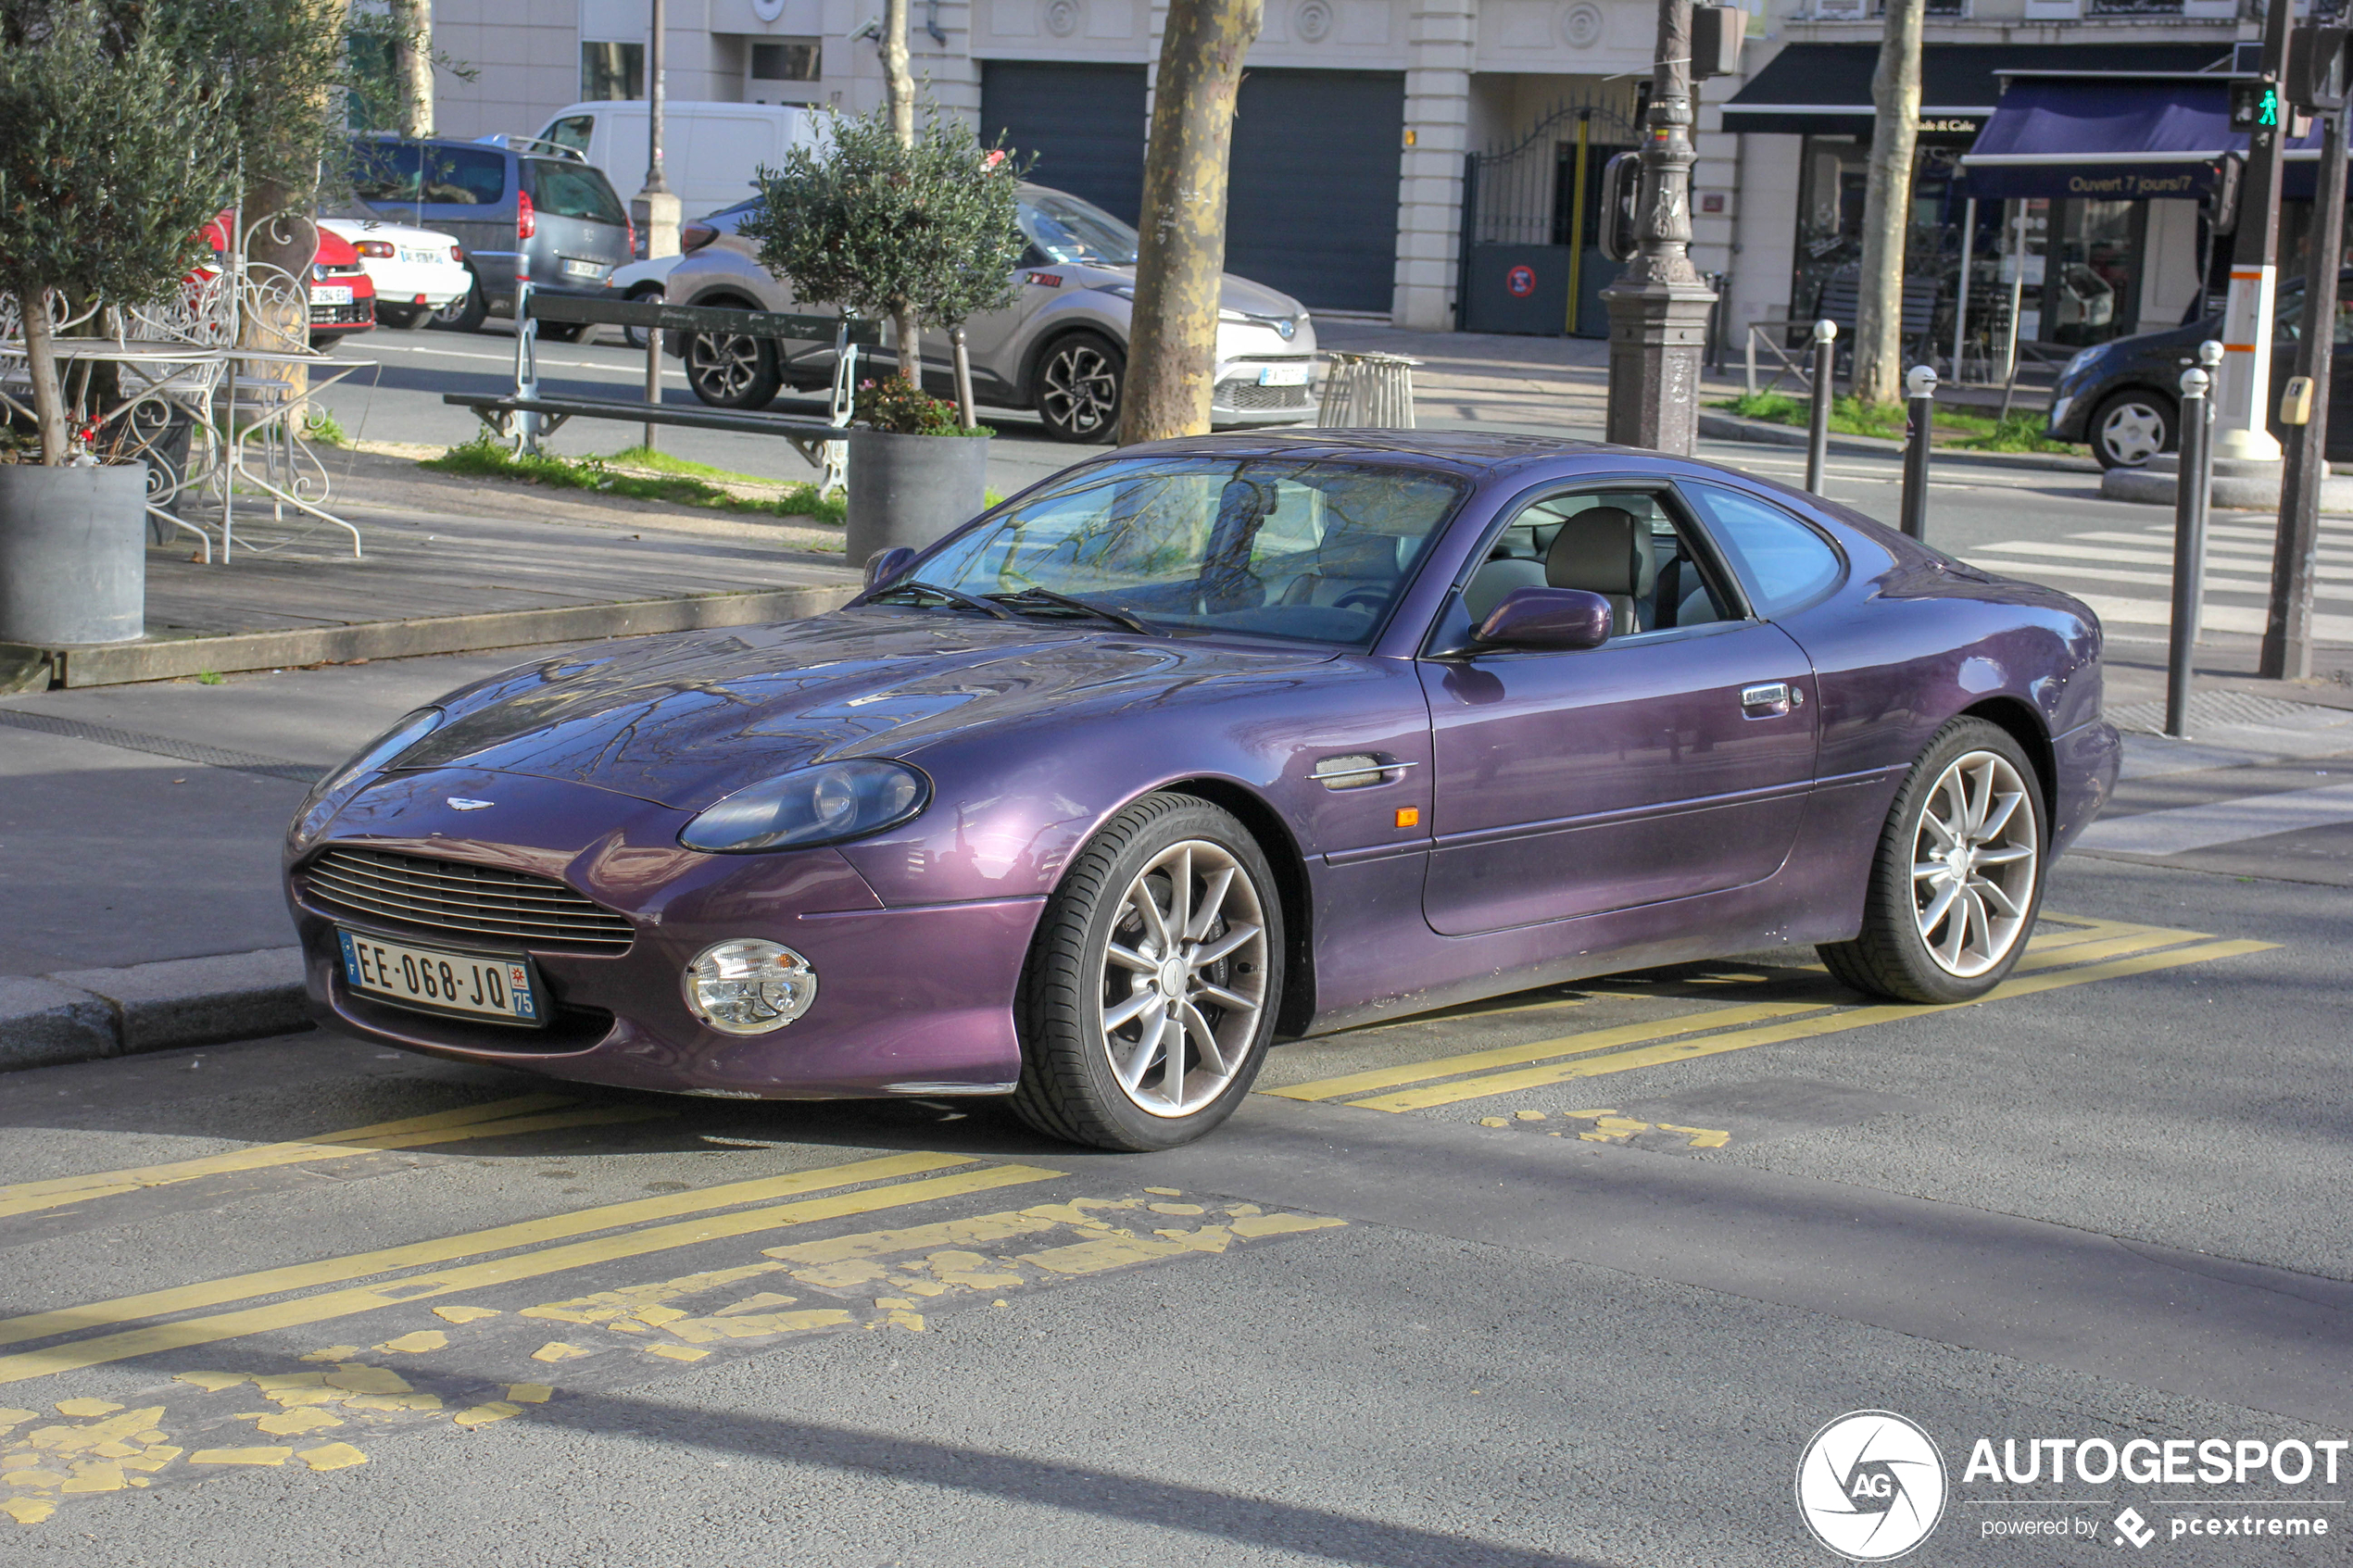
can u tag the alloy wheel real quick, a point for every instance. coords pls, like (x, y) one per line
(1184, 978)
(1080, 390)
(2132, 433)
(1974, 859)
(723, 365)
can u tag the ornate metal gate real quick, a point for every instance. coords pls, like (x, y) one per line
(1528, 223)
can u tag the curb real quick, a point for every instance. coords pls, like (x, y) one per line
(24, 667)
(1732, 426)
(90, 1014)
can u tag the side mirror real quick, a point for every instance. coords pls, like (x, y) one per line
(883, 565)
(1562, 619)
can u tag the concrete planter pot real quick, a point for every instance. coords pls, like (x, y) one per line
(911, 489)
(73, 554)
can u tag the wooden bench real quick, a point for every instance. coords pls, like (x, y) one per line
(523, 415)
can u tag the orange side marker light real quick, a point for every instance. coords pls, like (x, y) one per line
(1409, 816)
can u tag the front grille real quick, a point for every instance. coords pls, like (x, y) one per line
(340, 315)
(1250, 397)
(465, 900)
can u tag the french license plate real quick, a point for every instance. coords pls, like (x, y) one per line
(582, 269)
(330, 294)
(425, 977)
(425, 256)
(1283, 375)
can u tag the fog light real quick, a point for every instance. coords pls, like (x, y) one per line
(748, 987)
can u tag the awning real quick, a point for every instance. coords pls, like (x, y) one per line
(1825, 88)
(2107, 139)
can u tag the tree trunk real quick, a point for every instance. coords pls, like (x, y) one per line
(909, 329)
(1171, 347)
(1887, 208)
(412, 65)
(41, 365)
(899, 83)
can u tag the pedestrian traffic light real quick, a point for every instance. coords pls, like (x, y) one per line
(1621, 189)
(2255, 106)
(2316, 67)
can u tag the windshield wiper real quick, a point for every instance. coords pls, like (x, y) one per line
(1101, 612)
(951, 596)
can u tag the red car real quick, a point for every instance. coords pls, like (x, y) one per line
(343, 299)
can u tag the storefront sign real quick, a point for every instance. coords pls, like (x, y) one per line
(2152, 186)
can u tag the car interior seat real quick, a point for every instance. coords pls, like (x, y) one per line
(1606, 550)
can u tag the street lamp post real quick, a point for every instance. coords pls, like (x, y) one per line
(1658, 306)
(656, 209)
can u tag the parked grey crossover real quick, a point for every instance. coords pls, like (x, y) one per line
(1061, 347)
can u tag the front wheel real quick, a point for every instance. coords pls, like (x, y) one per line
(1153, 981)
(2131, 428)
(1078, 388)
(1958, 876)
(732, 370)
(635, 336)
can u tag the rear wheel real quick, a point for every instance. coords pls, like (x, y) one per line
(1152, 986)
(635, 336)
(1958, 876)
(732, 370)
(464, 314)
(563, 332)
(1079, 386)
(401, 317)
(2131, 428)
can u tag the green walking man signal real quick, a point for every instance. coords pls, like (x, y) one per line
(2255, 106)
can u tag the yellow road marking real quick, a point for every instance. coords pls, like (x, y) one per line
(1797, 1029)
(146, 1341)
(443, 1249)
(1504, 1055)
(497, 1120)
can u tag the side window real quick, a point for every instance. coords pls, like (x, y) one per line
(1783, 562)
(574, 132)
(384, 171)
(1624, 544)
(465, 176)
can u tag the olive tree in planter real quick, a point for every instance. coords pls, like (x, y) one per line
(914, 234)
(123, 128)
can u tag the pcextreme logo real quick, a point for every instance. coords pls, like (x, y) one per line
(1871, 1486)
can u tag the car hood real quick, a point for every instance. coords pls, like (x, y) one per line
(684, 720)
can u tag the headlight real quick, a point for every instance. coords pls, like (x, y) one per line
(326, 797)
(821, 804)
(2082, 360)
(748, 987)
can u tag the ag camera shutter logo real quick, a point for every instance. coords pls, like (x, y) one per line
(1871, 1486)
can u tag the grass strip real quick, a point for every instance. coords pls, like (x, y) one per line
(2020, 432)
(683, 483)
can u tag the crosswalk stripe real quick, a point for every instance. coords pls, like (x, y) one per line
(2220, 560)
(78, 1354)
(2181, 829)
(447, 1249)
(2216, 581)
(1796, 1029)
(2246, 618)
(460, 1127)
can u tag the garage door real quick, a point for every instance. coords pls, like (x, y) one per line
(1315, 183)
(1084, 124)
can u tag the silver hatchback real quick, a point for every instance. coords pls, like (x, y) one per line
(1060, 349)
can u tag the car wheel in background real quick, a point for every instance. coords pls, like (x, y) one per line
(464, 314)
(1078, 388)
(401, 317)
(2129, 428)
(1152, 984)
(563, 332)
(1958, 875)
(732, 370)
(635, 336)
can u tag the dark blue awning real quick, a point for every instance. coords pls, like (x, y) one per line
(2139, 139)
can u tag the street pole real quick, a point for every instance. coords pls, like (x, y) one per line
(1658, 306)
(1919, 391)
(656, 209)
(2241, 400)
(2189, 548)
(2287, 624)
(1818, 425)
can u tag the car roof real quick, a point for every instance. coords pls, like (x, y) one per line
(1464, 451)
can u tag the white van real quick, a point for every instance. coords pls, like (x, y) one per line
(711, 155)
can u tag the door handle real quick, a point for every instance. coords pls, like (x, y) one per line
(1770, 700)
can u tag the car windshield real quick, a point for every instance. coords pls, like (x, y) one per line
(1069, 230)
(1295, 548)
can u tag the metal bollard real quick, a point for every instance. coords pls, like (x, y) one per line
(2189, 547)
(1919, 388)
(653, 377)
(1817, 427)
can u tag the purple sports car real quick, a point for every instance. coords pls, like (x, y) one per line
(1209, 741)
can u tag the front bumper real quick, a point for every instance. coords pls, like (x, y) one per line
(2087, 760)
(911, 1000)
(1237, 398)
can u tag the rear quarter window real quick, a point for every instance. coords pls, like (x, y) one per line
(561, 189)
(1784, 564)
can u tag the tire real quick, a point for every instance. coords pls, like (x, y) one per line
(1971, 772)
(464, 314)
(634, 337)
(2129, 428)
(400, 317)
(563, 332)
(732, 370)
(1095, 957)
(1080, 379)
